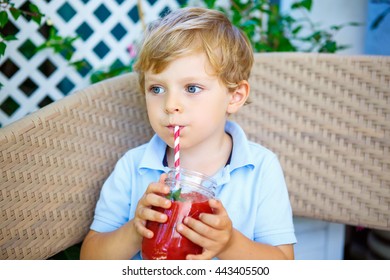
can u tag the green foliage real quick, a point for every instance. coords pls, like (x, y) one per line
(6, 8)
(266, 27)
(113, 71)
(269, 30)
(59, 44)
(63, 46)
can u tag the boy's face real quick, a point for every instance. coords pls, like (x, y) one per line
(186, 93)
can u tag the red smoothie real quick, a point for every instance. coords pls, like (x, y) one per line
(167, 243)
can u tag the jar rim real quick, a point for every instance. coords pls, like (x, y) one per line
(208, 188)
(191, 172)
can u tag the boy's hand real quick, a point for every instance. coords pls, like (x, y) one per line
(154, 196)
(212, 232)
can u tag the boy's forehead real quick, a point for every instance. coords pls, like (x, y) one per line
(188, 65)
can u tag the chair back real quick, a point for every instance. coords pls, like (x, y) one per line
(327, 117)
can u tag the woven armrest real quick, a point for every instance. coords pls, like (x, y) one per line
(327, 117)
(53, 164)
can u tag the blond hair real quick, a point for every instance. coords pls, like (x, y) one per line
(190, 30)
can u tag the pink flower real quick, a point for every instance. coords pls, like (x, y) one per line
(132, 50)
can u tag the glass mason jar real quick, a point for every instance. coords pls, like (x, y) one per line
(190, 192)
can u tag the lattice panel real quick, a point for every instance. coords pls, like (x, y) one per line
(105, 28)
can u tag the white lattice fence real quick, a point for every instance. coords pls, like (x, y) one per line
(106, 28)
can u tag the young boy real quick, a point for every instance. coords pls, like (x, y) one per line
(194, 67)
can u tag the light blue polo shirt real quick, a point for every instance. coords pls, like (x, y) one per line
(251, 187)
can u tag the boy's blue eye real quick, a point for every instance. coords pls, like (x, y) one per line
(193, 89)
(156, 90)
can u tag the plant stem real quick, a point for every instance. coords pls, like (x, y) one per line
(141, 14)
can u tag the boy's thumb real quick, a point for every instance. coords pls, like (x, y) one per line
(163, 177)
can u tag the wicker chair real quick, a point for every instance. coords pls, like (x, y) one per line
(326, 116)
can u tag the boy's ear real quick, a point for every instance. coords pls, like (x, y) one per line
(238, 97)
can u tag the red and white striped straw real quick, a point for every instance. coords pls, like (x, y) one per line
(177, 151)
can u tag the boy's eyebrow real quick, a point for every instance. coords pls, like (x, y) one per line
(152, 78)
(190, 78)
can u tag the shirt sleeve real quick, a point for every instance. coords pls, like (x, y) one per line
(275, 221)
(113, 207)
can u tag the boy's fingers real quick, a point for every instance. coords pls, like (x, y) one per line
(204, 256)
(153, 199)
(142, 230)
(219, 219)
(163, 177)
(153, 196)
(201, 228)
(217, 206)
(218, 222)
(157, 188)
(192, 235)
(148, 214)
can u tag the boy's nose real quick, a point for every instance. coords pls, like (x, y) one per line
(173, 104)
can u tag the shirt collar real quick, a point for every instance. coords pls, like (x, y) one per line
(241, 155)
(154, 155)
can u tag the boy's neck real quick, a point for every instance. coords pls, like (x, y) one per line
(205, 160)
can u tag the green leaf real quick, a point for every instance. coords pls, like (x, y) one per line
(210, 3)
(355, 23)
(37, 17)
(3, 18)
(289, 19)
(337, 27)
(67, 53)
(10, 38)
(52, 33)
(316, 36)
(307, 4)
(238, 5)
(3, 46)
(251, 22)
(42, 47)
(97, 76)
(15, 13)
(329, 47)
(297, 29)
(175, 196)
(379, 19)
(101, 75)
(79, 64)
(236, 18)
(34, 8)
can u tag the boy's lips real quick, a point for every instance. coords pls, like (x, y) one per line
(172, 127)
